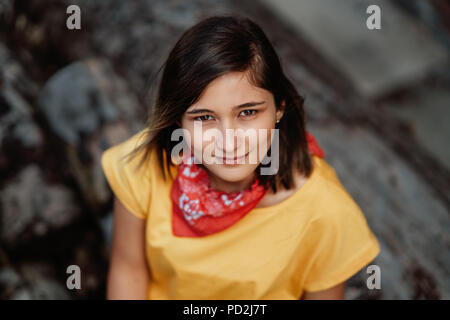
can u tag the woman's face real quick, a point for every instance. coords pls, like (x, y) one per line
(231, 102)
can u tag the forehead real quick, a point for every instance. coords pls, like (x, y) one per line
(229, 90)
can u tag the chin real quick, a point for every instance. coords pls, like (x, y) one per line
(232, 173)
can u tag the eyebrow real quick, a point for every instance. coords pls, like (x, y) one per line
(244, 105)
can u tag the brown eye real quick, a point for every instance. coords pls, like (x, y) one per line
(202, 118)
(248, 113)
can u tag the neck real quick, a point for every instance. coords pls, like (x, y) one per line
(227, 186)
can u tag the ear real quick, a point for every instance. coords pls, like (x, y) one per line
(178, 123)
(280, 112)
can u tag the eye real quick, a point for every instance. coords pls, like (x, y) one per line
(248, 112)
(201, 118)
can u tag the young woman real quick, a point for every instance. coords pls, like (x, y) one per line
(200, 229)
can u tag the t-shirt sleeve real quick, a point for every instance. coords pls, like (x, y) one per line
(131, 186)
(344, 245)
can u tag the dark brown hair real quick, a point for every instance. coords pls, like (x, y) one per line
(211, 48)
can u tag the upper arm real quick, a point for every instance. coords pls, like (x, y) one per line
(334, 293)
(343, 244)
(128, 273)
(128, 243)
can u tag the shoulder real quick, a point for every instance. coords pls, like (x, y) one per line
(118, 158)
(337, 219)
(333, 202)
(121, 149)
(130, 183)
(339, 234)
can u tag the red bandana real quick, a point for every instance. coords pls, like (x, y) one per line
(199, 210)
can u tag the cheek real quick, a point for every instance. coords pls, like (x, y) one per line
(265, 136)
(188, 136)
(196, 142)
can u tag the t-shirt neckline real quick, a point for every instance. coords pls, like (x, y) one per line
(297, 194)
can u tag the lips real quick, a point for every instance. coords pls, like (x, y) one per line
(233, 159)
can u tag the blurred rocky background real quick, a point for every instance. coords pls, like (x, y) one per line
(378, 102)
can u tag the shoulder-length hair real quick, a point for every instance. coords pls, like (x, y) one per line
(213, 47)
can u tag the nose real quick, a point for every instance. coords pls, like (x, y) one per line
(228, 142)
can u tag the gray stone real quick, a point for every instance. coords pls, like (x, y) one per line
(28, 201)
(427, 112)
(17, 120)
(40, 284)
(18, 123)
(90, 108)
(13, 74)
(377, 61)
(73, 105)
(32, 281)
(10, 280)
(78, 99)
(6, 8)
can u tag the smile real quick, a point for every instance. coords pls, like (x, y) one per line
(231, 161)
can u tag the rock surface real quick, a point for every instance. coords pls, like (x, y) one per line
(65, 96)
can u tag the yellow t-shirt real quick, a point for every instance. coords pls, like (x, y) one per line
(313, 240)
